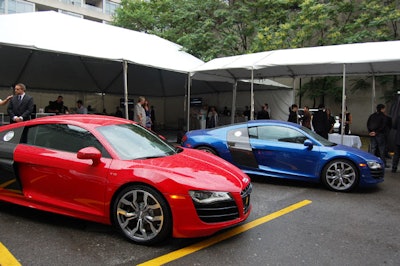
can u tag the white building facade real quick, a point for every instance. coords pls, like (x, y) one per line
(96, 10)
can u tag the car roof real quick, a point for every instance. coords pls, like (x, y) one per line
(271, 122)
(86, 120)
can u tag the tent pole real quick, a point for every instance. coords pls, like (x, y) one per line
(252, 95)
(343, 105)
(373, 103)
(125, 66)
(300, 93)
(234, 102)
(294, 91)
(188, 102)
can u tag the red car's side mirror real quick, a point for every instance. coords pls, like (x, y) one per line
(90, 153)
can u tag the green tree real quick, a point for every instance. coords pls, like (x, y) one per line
(206, 29)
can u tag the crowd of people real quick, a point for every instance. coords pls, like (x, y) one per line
(378, 124)
(21, 106)
(321, 120)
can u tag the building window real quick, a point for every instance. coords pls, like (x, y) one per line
(17, 6)
(110, 7)
(73, 2)
(2, 6)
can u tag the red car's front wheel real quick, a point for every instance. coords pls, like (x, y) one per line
(142, 215)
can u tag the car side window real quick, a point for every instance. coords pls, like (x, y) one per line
(239, 138)
(277, 133)
(62, 137)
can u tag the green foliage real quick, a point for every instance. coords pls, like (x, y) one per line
(319, 88)
(206, 29)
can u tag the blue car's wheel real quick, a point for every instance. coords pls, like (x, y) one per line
(207, 149)
(340, 175)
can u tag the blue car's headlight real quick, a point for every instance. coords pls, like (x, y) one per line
(209, 196)
(374, 165)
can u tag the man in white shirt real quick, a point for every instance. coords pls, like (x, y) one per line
(139, 112)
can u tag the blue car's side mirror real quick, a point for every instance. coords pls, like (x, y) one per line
(308, 143)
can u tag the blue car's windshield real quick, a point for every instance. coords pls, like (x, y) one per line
(131, 142)
(322, 140)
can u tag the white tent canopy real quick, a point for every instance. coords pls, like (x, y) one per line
(49, 50)
(375, 58)
(56, 32)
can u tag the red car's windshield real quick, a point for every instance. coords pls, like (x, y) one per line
(134, 142)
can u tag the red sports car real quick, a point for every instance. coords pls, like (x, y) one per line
(110, 170)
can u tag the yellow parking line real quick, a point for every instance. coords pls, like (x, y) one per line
(6, 259)
(218, 238)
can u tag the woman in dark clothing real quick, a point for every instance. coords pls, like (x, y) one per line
(293, 113)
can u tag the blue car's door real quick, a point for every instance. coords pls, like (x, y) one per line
(240, 149)
(280, 152)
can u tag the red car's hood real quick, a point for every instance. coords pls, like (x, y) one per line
(196, 169)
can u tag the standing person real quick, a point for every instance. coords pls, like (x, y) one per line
(80, 108)
(348, 121)
(246, 113)
(263, 113)
(21, 105)
(139, 114)
(268, 110)
(306, 119)
(226, 111)
(320, 121)
(388, 127)
(376, 125)
(293, 113)
(58, 106)
(331, 120)
(148, 114)
(118, 112)
(396, 156)
(212, 117)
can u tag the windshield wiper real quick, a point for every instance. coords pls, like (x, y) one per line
(150, 157)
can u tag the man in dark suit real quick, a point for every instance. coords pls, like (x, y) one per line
(320, 121)
(21, 105)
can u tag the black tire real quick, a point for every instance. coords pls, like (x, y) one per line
(207, 149)
(142, 215)
(340, 175)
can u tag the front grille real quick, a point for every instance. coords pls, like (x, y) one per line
(377, 173)
(217, 212)
(245, 194)
(224, 210)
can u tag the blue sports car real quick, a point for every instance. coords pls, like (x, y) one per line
(287, 150)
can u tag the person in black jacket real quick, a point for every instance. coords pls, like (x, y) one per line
(376, 125)
(396, 156)
(21, 105)
(293, 114)
(263, 113)
(320, 121)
